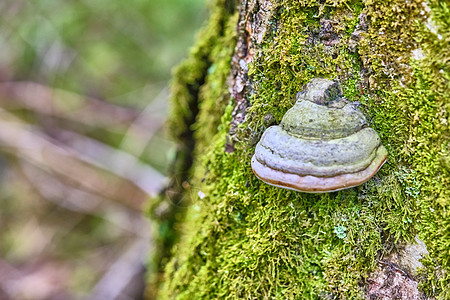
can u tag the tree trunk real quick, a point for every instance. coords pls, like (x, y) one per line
(225, 234)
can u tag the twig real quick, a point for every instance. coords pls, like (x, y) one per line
(120, 274)
(27, 142)
(63, 104)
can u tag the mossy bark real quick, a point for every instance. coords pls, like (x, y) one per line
(235, 237)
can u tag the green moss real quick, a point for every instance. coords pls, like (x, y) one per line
(245, 239)
(190, 76)
(214, 93)
(415, 119)
(197, 91)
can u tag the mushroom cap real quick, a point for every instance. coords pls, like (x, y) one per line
(309, 120)
(315, 184)
(279, 150)
(323, 144)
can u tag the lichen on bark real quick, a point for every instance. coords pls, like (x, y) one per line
(240, 238)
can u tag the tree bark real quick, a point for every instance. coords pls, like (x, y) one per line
(225, 234)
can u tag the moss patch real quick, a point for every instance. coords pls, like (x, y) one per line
(245, 239)
(197, 92)
(414, 115)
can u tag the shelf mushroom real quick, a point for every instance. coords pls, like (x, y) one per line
(323, 144)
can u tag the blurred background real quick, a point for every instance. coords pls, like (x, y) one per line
(83, 101)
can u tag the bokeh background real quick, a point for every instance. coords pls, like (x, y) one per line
(83, 101)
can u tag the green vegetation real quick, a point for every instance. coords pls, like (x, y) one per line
(245, 239)
(83, 84)
(105, 48)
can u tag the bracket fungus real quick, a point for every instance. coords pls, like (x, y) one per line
(323, 144)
